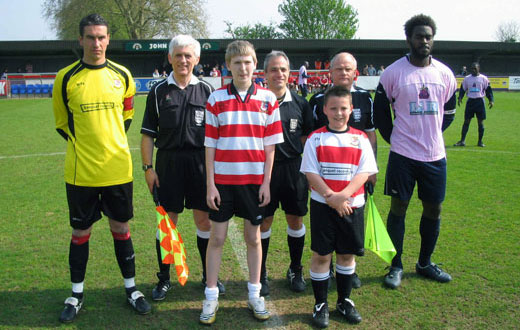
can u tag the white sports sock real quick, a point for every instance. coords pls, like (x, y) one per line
(211, 293)
(77, 287)
(264, 235)
(346, 270)
(296, 233)
(129, 282)
(254, 290)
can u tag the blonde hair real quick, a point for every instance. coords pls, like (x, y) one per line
(240, 48)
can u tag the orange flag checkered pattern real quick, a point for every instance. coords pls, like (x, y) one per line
(172, 245)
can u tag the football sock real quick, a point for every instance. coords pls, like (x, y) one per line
(320, 285)
(465, 128)
(164, 269)
(429, 230)
(125, 254)
(480, 132)
(78, 258)
(211, 293)
(77, 290)
(265, 237)
(296, 241)
(395, 227)
(253, 290)
(344, 276)
(202, 245)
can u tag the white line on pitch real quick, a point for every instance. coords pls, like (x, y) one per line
(240, 249)
(43, 154)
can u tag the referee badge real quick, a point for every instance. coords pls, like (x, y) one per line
(199, 117)
(264, 106)
(293, 124)
(117, 83)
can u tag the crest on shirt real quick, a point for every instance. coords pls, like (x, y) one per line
(264, 106)
(293, 124)
(117, 83)
(424, 93)
(199, 117)
(354, 140)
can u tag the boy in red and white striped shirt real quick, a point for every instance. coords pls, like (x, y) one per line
(242, 127)
(337, 161)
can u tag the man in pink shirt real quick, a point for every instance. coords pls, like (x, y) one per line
(477, 86)
(421, 92)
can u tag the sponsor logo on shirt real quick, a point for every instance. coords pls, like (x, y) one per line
(335, 171)
(356, 114)
(98, 106)
(424, 108)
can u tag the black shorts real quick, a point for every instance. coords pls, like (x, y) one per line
(288, 187)
(182, 179)
(475, 107)
(86, 204)
(239, 200)
(330, 232)
(402, 173)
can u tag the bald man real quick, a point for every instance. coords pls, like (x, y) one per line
(342, 69)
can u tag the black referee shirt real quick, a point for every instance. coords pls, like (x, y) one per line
(296, 118)
(175, 117)
(362, 116)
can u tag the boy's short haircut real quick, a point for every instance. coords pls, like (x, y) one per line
(337, 91)
(240, 48)
(183, 40)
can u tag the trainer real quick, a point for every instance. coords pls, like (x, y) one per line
(288, 185)
(421, 91)
(93, 109)
(174, 121)
(476, 85)
(343, 72)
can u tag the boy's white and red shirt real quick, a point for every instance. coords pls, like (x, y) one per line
(337, 157)
(239, 127)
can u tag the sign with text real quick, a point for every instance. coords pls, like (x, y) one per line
(163, 46)
(514, 83)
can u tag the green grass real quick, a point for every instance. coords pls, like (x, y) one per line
(478, 243)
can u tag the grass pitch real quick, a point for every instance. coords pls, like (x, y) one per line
(478, 244)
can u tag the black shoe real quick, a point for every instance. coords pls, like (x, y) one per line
(331, 278)
(393, 278)
(432, 271)
(356, 281)
(137, 301)
(348, 310)
(320, 315)
(460, 144)
(264, 290)
(72, 307)
(220, 286)
(160, 290)
(295, 279)
(480, 144)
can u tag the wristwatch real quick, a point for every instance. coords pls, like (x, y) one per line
(146, 167)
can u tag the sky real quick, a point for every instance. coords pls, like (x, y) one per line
(468, 20)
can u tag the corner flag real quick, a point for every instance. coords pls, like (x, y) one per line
(376, 236)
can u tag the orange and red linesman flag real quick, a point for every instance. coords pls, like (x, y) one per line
(172, 245)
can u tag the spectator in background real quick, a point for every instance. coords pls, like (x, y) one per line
(371, 70)
(317, 64)
(156, 74)
(381, 70)
(463, 71)
(224, 70)
(302, 78)
(326, 65)
(28, 67)
(164, 74)
(364, 72)
(4, 73)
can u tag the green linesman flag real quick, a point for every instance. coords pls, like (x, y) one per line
(376, 236)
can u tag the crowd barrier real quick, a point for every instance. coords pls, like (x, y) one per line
(41, 84)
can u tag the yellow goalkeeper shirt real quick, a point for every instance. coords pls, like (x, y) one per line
(91, 105)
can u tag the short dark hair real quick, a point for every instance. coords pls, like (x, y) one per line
(337, 91)
(419, 20)
(92, 19)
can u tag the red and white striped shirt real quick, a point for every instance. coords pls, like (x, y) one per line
(337, 157)
(239, 128)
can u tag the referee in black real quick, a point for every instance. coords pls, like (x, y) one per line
(342, 73)
(288, 185)
(174, 120)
